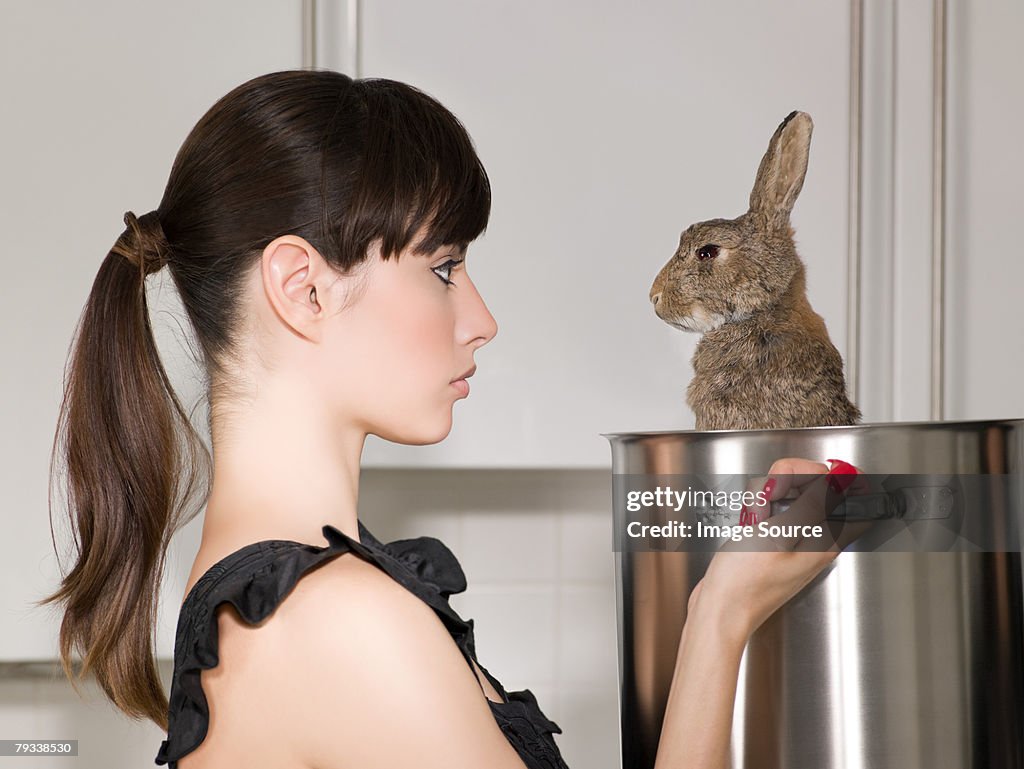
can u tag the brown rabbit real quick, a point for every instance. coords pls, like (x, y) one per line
(765, 360)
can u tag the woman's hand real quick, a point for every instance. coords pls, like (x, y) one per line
(743, 586)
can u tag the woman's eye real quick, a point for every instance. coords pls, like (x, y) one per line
(709, 251)
(447, 268)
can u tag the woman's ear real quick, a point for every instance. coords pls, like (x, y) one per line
(295, 280)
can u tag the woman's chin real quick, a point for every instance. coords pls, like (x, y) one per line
(420, 426)
(425, 436)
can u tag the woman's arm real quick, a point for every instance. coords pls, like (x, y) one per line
(698, 718)
(739, 591)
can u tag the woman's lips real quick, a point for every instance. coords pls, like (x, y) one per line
(462, 386)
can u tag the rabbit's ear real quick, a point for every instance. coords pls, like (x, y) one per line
(782, 170)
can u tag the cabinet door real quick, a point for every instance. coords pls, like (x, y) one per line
(607, 128)
(984, 323)
(98, 98)
(985, 256)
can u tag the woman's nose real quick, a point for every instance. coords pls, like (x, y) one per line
(478, 323)
(488, 325)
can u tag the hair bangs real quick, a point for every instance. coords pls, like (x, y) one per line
(426, 173)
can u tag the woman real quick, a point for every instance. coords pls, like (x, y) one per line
(316, 229)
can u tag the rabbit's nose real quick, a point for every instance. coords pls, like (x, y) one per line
(655, 298)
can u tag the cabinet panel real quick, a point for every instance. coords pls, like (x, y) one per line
(984, 325)
(985, 257)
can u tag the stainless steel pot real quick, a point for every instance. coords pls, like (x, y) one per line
(888, 659)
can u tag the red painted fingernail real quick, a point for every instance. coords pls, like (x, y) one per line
(766, 492)
(840, 475)
(744, 516)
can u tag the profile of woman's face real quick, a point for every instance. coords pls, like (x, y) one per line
(397, 347)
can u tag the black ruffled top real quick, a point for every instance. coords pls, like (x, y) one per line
(256, 578)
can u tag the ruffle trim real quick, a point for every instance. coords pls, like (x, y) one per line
(424, 565)
(428, 558)
(529, 730)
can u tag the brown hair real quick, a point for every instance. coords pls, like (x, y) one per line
(337, 161)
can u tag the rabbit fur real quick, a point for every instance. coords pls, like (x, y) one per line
(765, 359)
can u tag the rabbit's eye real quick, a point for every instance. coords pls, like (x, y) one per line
(710, 251)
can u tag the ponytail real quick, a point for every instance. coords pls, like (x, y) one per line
(118, 437)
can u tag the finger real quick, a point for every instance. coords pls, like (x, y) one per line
(846, 482)
(814, 505)
(755, 511)
(797, 466)
(815, 502)
(788, 473)
(793, 473)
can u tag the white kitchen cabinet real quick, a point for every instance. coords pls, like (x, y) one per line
(984, 314)
(984, 354)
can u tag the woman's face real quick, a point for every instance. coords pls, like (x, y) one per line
(396, 348)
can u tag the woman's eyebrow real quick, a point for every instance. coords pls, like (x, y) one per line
(458, 249)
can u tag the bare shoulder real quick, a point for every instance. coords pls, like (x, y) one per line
(262, 666)
(368, 676)
(341, 600)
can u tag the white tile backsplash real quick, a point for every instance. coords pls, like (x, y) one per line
(515, 632)
(510, 546)
(590, 735)
(19, 713)
(49, 709)
(585, 546)
(587, 635)
(536, 550)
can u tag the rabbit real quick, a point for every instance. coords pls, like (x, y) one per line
(765, 359)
